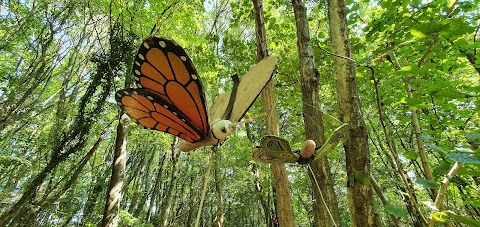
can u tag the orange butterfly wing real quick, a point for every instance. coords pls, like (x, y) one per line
(165, 69)
(151, 111)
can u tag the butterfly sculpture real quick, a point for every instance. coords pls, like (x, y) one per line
(274, 149)
(170, 98)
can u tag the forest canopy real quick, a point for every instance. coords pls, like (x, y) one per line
(403, 75)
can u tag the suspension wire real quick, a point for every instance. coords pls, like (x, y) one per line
(321, 195)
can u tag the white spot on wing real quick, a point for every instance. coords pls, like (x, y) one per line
(141, 56)
(150, 97)
(145, 44)
(137, 72)
(125, 92)
(183, 58)
(194, 76)
(162, 44)
(137, 63)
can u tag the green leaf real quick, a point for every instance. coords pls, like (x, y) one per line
(468, 171)
(407, 68)
(360, 177)
(10, 161)
(441, 216)
(425, 137)
(474, 203)
(451, 3)
(435, 147)
(414, 102)
(472, 136)
(416, 2)
(411, 155)
(417, 34)
(464, 150)
(466, 220)
(395, 210)
(463, 158)
(427, 184)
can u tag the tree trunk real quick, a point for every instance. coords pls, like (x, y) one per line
(257, 184)
(360, 200)
(144, 192)
(137, 182)
(156, 187)
(112, 204)
(325, 207)
(284, 203)
(421, 147)
(258, 191)
(381, 195)
(169, 193)
(219, 215)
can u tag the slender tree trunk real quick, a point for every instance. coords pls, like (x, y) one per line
(325, 206)
(421, 147)
(169, 193)
(258, 191)
(156, 187)
(192, 202)
(384, 199)
(89, 208)
(219, 215)
(415, 213)
(257, 184)
(284, 202)
(137, 183)
(360, 200)
(144, 191)
(114, 196)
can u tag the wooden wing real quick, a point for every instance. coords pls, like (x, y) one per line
(251, 84)
(164, 68)
(274, 149)
(151, 111)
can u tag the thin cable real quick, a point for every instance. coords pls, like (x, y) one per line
(321, 195)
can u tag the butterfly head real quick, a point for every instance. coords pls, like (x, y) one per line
(221, 129)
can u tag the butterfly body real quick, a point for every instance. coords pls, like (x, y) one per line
(170, 98)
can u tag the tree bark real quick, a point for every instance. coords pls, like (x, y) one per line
(156, 187)
(219, 215)
(325, 208)
(360, 200)
(112, 204)
(385, 201)
(258, 191)
(284, 202)
(169, 193)
(257, 184)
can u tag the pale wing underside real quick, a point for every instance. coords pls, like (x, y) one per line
(251, 84)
